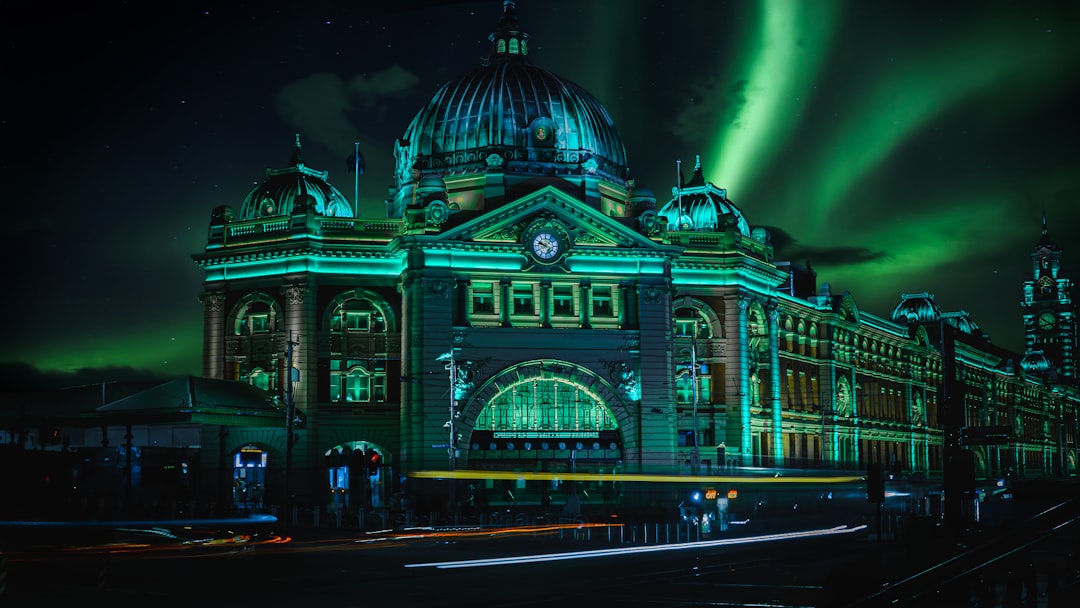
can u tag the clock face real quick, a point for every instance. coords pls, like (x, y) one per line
(545, 246)
(1046, 320)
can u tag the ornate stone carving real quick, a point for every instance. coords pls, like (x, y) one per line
(295, 293)
(438, 288)
(653, 294)
(212, 301)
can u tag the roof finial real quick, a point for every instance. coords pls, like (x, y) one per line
(1044, 228)
(297, 160)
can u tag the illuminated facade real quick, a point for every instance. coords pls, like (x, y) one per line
(525, 305)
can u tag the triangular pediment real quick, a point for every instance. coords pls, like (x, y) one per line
(587, 226)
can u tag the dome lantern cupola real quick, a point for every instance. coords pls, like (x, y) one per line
(508, 41)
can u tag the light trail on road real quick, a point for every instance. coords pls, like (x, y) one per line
(551, 557)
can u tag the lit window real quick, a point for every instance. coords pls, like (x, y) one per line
(356, 386)
(563, 304)
(260, 323)
(260, 379)
(359, 385)
(601, 302)
(359, 315)
(357, 321)
(523, 299)
(483, 300)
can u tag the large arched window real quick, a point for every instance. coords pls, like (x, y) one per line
(692, 329)
(253, 348)
(359, 323)
(545, 404)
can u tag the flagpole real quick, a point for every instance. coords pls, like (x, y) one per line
(356, 181)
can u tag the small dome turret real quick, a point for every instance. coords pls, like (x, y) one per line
(697, 205)
(293, 189)
(916, 308)
(1035, 362)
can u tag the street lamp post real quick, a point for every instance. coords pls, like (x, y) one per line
(290, 424)
(695, 453)
(452, 366)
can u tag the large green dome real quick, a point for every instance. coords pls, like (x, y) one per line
(511, 116)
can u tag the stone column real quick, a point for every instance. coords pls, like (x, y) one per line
(300, 328)
(586, 305)
(213, 358)
(774, 384)
(742, 374)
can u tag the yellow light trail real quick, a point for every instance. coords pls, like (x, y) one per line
(624, 477)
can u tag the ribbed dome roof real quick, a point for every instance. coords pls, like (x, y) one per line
(916, 308)
(292, 188)
(1035, 362)
(921, 308)
(513, 116)
(698, 205)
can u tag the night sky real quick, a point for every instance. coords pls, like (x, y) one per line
(896, 146)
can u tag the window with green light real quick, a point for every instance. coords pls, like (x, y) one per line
(358, 385)
(563, 300)
(359, 315)
(260, 379)
(547, 404)
(358, 324)
(601, 302)
(259, 323)
(523, 300)
(483, 298)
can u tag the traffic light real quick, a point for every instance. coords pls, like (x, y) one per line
(875, 483)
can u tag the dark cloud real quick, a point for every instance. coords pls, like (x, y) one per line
(786, 247)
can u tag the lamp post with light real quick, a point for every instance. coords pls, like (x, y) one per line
(452, 365)
(695, 453)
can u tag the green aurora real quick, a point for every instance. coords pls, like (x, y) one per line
(897, 147)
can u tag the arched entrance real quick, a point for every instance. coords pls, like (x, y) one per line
(356, 476)
(543, 416)
(249, 477)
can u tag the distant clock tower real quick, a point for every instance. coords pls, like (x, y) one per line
(1050, 315)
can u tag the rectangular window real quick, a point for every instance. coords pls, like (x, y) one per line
(684, 328)
(704, 389)
(684, 389)
(358, 388)
(523, 300)
(357, 321)
(483, 298)
(601, 302)
(259, 323)
(563, 301)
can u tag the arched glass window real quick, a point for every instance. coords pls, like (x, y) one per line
(359, 324)
(545, 404)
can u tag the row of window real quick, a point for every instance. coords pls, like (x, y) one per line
(486, 298)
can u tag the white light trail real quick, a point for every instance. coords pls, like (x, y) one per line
(551, 557)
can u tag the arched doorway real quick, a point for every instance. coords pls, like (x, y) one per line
(356, 477)
(543, 416)
(249, 477)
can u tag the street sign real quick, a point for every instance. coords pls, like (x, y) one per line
(440, 445)
(985, 435)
